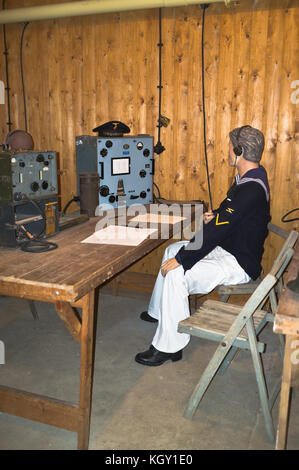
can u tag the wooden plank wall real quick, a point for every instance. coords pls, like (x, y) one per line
(82, 72)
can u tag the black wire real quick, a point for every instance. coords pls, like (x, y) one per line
(156, 186)
(158, 148)
(36, 245)
(160, 71)
(283, 219)
(204, 7)
(9, 123)
(155, 198)
(22, 75)
(75, 199)
(40, 210)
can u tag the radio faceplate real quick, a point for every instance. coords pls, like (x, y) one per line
(27, 175)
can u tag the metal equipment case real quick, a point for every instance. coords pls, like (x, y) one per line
(28, 196)
(124, 165)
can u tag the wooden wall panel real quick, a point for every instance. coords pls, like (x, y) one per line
(81, 72)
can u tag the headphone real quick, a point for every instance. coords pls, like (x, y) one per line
(238, 149)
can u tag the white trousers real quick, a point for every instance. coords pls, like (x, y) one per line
(169, 303)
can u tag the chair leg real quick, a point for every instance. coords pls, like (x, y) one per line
(257, 363)
(282, 344)
(227, 360)
(224, 298)
(33, 309)
(205, 380)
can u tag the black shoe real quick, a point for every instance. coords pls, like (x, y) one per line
(153, 357)
(146, 317)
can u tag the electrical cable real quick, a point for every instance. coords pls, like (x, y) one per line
(75, 199)
(159, 198)
(35, 244)
(158, 148)
(22, 75)
(204, 6)
(283, 219)
(9, 123)
(156, 186)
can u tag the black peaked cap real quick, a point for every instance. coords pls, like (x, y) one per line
(112, 128)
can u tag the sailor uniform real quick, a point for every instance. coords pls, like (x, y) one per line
(231, 253)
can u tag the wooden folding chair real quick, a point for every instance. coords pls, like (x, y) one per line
(237, 327)
(249, 287)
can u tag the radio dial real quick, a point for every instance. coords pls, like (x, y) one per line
(104, 152)
(34, 186)
(104, 191)
(143, 194)
(142, 173)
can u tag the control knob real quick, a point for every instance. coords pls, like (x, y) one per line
(34, 186)
(17, 196)
(104, 191)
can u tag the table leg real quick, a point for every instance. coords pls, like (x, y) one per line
(281, 436)
(86, 368)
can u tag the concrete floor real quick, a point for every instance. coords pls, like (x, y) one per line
(133, 407)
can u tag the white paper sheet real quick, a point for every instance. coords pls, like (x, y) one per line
(119, 235)
(158, 218)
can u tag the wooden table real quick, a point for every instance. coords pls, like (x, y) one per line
(67, 277)
(287, 323)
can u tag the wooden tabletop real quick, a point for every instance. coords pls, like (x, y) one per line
(287, 316)
(70, 271)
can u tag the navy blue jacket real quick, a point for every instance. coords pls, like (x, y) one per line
(239, 225)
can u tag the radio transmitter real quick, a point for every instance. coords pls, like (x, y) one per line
(124, 165)
(28, 196)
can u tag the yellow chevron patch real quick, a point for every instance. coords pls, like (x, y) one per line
(220, 223)
(229, 210)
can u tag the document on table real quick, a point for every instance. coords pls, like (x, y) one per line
(120, 235)
(158, 218)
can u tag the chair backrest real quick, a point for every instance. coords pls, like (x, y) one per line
(289, 243)
(281, 232)
(257, 299)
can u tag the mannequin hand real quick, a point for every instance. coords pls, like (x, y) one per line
(208, 216)
(168, 265)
